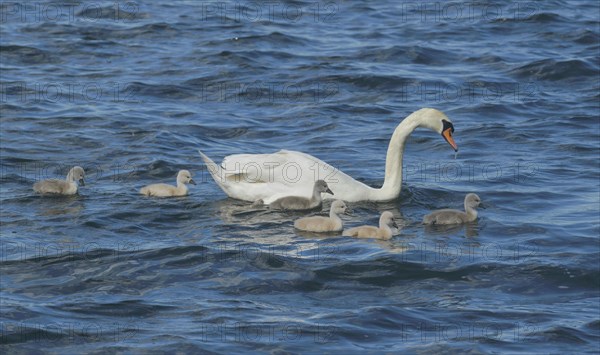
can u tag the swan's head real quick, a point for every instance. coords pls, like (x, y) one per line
(77, 174)
(472, 200)
(185, 177)
(339, 207)
(321, 186)
(437, 121)
(387, 219)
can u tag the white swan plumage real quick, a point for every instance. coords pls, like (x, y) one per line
(251, 177)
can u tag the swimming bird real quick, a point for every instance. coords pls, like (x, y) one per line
(62, 187)
(302, 203)
(383, 232)
(251, 177)
(164, 190)
(450, 216)
(320, 224)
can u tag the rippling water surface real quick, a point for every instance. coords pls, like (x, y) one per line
(131, 90)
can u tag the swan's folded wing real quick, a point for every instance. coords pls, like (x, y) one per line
(51, 186)
(362, 232)
(286, 167)
(284, 173)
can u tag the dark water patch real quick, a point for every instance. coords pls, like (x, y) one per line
(280, 38)
(553, 70)
(173, 252)
(363, 81)
(118, 12)
(116, 34)
(587, 37)
(531, 14)
(26, 55)
(564, 335)
(215, 132)
(486, 59)
(406, 54)
(157, 90)
(128, 308)
(52, 28)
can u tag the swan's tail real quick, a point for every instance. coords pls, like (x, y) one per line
(215, 171)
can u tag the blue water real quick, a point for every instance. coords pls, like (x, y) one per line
(131, 90)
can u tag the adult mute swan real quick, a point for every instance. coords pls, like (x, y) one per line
(268, 177)
(62, 187)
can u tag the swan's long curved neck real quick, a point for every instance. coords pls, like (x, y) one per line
(392, 183)
(384, 229)
(181, 187)
(70, 177)
(335, 218)
(333, 215)
(383, 225)
(471, 213)
(315, 195)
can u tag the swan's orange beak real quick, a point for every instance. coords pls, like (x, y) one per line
(447, 134)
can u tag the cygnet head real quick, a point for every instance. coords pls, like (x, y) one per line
(437, 121)
(387, 218)
(339, 207)
(321, 186)
(185, 177)
(472, 201)
(76, 174)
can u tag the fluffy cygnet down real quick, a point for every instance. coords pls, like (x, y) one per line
(386, 221)
(450, 216)
(302, 203)
(319, 224)
(62, 187)
(164, 190)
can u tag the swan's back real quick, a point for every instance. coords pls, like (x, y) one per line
(293, 203)
(317, 224)
(54, 186)
(446, 216)
(250, 177)
(367, 232)
(161, 190)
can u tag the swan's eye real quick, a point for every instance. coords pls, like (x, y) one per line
(447, 125)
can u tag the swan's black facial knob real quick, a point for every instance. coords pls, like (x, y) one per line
(447, 131)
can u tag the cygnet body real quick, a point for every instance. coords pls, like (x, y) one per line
(302, 203)
(451, 216)
(386, 221)
(320, 224)
(62, 187)
(165, 190)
